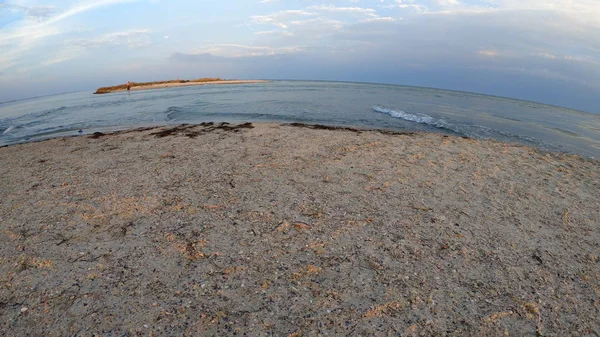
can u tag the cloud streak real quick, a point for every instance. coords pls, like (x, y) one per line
(23, 39)
(138, 38)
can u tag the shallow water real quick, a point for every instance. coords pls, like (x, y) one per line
(335, 103)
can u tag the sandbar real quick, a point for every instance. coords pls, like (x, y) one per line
(177, 84)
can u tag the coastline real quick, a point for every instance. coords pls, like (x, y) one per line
(269, 228)
(186, 84)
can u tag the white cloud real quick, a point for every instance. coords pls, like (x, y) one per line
(380, 19)
(419, 8)
(60, 57)
(334, 9)
(280, 19)
(266, 32)
(489, 53)
(549, 56)
(433, 25)
(24, 37)
(583, 59)
(38, 13)
(448, 2)
(240, 50)
(132, 39)
(84, 7)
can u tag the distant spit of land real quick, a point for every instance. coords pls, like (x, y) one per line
(171, 84)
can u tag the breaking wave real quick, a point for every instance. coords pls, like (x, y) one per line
(468, 130)
(417, 118)
(174, 113)
(9, 129)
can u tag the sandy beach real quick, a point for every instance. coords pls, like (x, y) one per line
(186, 84)
(296, 230)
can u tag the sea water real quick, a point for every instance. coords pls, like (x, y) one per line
(393, 107)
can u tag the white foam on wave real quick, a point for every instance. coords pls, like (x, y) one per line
(417, 118)
(10, 128)
(469, 130)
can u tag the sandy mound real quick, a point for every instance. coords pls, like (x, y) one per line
(283, 230)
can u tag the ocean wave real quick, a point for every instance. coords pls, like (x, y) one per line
(9, 129)
(31, 119)
(417, 118)
(468, 130)
(172, 113)
(51, 111)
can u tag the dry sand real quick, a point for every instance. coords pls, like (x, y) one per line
(296, 231)
(188, 84)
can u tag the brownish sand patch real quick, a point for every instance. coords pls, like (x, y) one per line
(220, 229)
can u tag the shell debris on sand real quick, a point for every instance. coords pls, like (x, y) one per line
(211, 230)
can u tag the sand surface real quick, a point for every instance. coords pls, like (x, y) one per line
(280, 230)
(188, 84)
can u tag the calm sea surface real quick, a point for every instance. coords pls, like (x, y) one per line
(332, 103)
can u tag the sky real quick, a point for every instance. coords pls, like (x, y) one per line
(540, 50)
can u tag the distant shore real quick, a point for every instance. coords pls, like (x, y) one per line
(171, 84)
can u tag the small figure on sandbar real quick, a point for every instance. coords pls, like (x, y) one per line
(128, 85)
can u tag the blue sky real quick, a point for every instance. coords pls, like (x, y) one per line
(540, 50)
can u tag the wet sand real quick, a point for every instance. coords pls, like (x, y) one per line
(295, 230)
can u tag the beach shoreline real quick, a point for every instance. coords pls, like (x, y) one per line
(283, 229)
(177, 85)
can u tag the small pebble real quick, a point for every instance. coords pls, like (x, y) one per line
(24, 309)
(145, 325)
